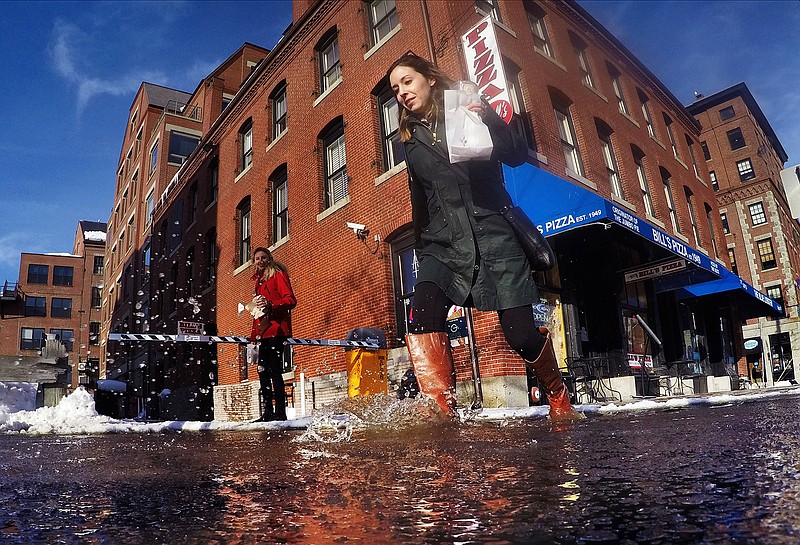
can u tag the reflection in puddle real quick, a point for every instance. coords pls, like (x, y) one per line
(378, 472)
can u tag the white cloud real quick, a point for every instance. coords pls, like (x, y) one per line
(11, 246)
(71, 63)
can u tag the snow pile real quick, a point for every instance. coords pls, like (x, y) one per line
(74, 414)
(96, 236)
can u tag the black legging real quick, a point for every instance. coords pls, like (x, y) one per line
(270, 359)
(430, 313)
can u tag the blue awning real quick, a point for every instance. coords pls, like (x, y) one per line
(556, 205)
(734, 285)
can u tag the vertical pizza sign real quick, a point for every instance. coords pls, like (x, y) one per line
(485, 65)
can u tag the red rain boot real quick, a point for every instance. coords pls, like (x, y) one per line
(546, 369)
(433, 366)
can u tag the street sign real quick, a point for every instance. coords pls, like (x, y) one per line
(190, 328)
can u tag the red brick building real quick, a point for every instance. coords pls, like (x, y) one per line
(308, 143)
(744, 158)
(59, 295)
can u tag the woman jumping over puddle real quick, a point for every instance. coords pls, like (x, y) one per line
(468, 255)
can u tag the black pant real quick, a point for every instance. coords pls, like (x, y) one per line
(270, 375)
(430, 313)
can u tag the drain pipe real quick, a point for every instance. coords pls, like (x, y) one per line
(477, 402)
(428, 32)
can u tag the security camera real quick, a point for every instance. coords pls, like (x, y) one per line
(359, 229)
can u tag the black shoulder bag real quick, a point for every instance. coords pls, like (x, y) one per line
(534, 245)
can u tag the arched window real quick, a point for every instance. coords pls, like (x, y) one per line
(243, 219)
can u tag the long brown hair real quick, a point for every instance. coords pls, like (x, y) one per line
(429, 71)
(272, 265)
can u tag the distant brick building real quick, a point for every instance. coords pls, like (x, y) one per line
(59, 295)
(744, 158)
(307, 142)
(161, 252)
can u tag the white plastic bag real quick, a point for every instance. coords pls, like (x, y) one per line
(468, 139)
(252, 353)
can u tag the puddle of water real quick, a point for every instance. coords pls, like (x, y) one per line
(376, 472)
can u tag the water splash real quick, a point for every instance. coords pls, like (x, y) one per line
(344, 418)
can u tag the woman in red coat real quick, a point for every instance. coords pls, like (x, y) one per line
(274, 296)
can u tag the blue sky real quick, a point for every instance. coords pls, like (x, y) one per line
(71, 70)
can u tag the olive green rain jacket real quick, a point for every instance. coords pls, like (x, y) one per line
(463, 244)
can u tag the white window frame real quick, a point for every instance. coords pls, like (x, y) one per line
(382, 19)
(569, 141)
(336, 181)
(673, 214)
(612, 170)
(644, 186)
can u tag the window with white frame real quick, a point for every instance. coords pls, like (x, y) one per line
(726, 228)
(489, 7)
(335, 164)
(673, 215)
(692, 156)
(745, 168)
(330, 68)
(757, 214)
(612, 170)
(246, 145)
(541, 39)
(616, 84)
(569, 140)
(519, 120)
(714, 182)
(648, 119)
(583, 65)
(278, 101)
(131, 231)
(692, 216)
(775, 293)
(671, 135)
(280, 204)
(99, 264)
(149, 206)
(393, 149)
(153, 158)
(382, 18)
(644, 185)
(243, 216)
